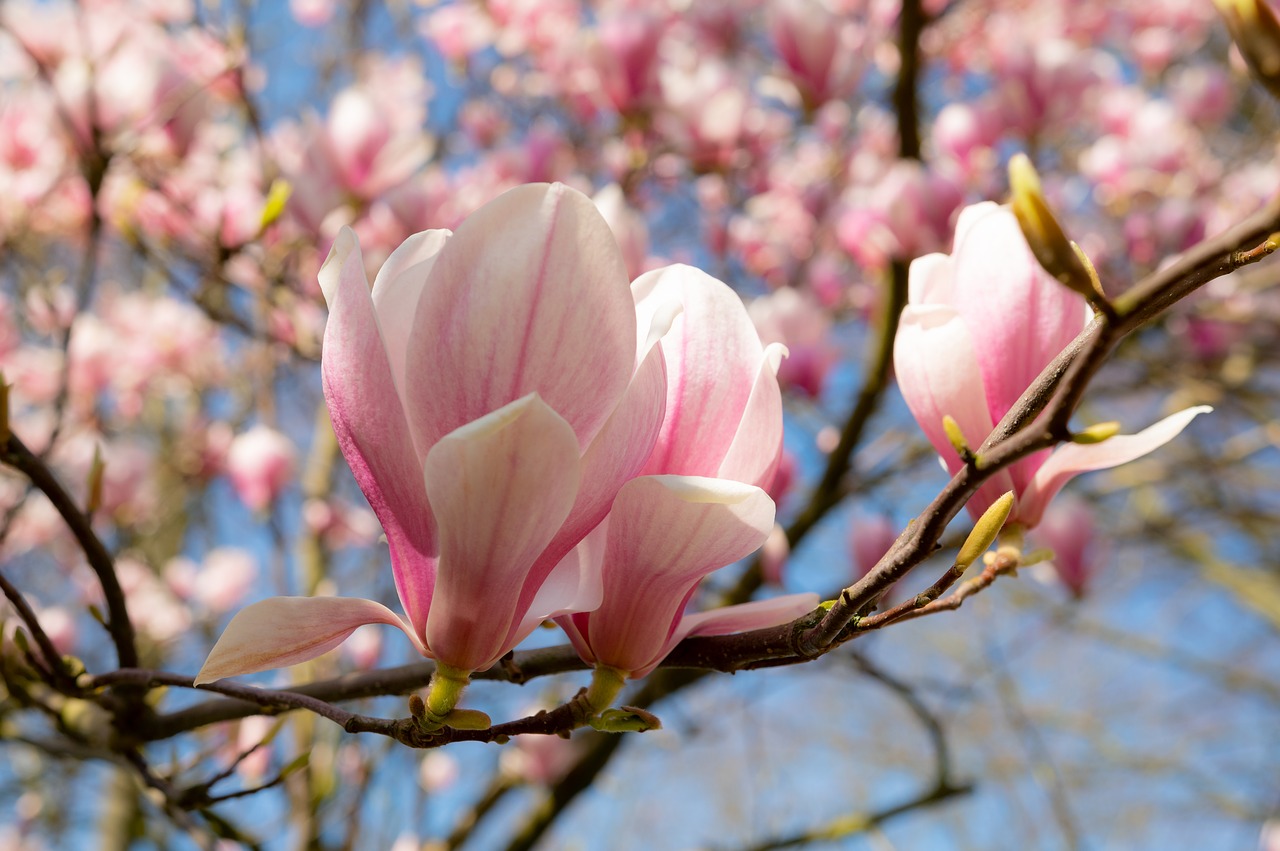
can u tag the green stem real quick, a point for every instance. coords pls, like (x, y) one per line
(445, 691)
(606, 683)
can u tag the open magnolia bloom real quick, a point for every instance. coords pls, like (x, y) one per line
(700, 505)
(979, 327)
(492, 394)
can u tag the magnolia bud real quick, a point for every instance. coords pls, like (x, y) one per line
(96, 468)
(1255, 30)
(985, 530)
(273, 206)
(1058, 255)
(956, 437)
(1097, 433)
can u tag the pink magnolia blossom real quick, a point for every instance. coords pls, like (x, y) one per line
(670, 528)
(1068, 528)
(818, 46)
(545, 393)
(796, 320)
(539, 760)
(905, 214)
(664, 535)
(979, 327)
(261, 463)
(625, 58)
(870, 537)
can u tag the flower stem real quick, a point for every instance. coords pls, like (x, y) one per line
(443, 694)
(606, 683)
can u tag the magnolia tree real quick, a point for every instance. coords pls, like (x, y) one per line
(622, 413)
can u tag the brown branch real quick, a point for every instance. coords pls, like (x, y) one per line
(14, 453)
(55, 668)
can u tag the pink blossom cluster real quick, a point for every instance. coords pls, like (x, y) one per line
(746, 137)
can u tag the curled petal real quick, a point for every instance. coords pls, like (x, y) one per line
(549, 307)
(713, 356)
(283, 631)
(370, 425)
(930, 279)
(1072, 459)
(753, 455)
(968, 217)
(500, 488)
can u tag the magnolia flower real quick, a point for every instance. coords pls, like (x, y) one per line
(1068, 528)
(261, 463)
(491, 394)
(980, 326)
(701, 505)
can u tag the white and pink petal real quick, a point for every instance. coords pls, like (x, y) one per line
(1072, 459)
(282, 631)
(370, 425)
(500, 488)
(529, 295)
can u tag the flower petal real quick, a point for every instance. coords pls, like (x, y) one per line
(666, 533)
(753, 455)
(1072, 459)
(500, 488)
(283, 631)
(396, 291)
(615, 456)
(1019, 317)
(929, 280)
(574, 585)
(713, 355)
(370, 425)
(938, 376)
(549, 307)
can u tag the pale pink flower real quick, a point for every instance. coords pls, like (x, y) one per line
(774, 556)
(670, 528)
(458, 30)
(819, 47)
(545, 395)
(261, 463)
(541, 760)
(1269, 839)
(1068, 528)
(153, 608)
(1203, 93)
(980, 326)
(870, 537)
(312, 13)
(439, 769)
(225, 577)
(363, 649)
(60, 625)
(625, 57)
(905, 214)
(250, 732)
(627, 224)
